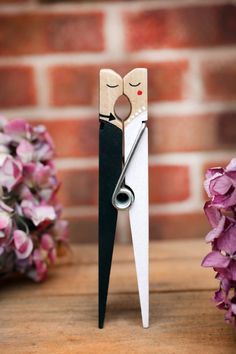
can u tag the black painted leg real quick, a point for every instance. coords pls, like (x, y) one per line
(110, 166)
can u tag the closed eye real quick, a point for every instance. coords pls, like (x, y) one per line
(112, 86)
(135, 85)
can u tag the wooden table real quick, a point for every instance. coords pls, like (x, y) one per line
(60, 315)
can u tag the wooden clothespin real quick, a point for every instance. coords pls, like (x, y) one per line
(123, 178)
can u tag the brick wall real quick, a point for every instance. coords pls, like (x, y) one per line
(50, 56)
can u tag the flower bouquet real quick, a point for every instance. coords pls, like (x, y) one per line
(31, 230)
(220, 185)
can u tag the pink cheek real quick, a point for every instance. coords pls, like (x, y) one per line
(139, 92)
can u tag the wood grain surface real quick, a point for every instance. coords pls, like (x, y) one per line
(60, 315)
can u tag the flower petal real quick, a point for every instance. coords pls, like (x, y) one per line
(23, 244)
(25, 151)
(61, 230)
(10, 173)
(233, 269)
(38, 213)
(215, 259)
(225, 201)
(4, 220)
(42, 213)
(207, 183)
(40, 265)
(211, 172)
(227, 241)
(213, 214)
(217, 231)
(219, 296)
(232, 165)
(220, 185)
(17, 128)
(47, 242)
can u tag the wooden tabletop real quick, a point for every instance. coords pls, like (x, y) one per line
(60, 315)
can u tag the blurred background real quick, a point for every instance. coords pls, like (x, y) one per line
(50, 56)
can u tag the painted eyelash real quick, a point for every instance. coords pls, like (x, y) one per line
(112, 86)
(134, 85)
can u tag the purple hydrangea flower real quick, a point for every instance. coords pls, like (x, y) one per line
(220, 185)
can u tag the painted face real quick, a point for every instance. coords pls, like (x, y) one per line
(135, 88)
(111, 88)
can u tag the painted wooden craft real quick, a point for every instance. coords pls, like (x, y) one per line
(123, 178)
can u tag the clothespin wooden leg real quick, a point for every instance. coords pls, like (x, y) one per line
(135, 88)
(110, 166)
(137, 179)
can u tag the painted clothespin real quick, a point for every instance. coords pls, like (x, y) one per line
(123, 178)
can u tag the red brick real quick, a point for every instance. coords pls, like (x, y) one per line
(195, 26)
(17, 86)
(73, 137)
(227, 129)
(179, 226)
(166, 80)
(74, 85)
(79, 187)
(192, 133)
(33, 33)
(168, 183)
(219, 79)
(78, 85)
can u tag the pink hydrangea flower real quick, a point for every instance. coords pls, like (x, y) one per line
(30, 224)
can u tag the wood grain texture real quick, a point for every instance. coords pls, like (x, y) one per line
(60, 315)
(111, 88)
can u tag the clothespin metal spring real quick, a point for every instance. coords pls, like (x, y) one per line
(123, 196)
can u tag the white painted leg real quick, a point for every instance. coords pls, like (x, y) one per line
(137, 180)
